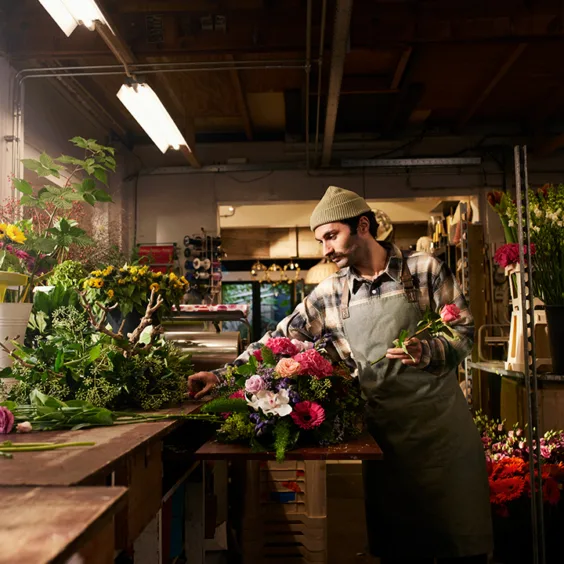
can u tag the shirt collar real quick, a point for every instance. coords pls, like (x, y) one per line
(393, 270)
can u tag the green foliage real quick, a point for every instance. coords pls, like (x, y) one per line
(284, 438)
(226, 405)
(236, 427)
(268, 357)
(314, 389)
(68, 274)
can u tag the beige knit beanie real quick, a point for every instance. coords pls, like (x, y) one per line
(337, 204)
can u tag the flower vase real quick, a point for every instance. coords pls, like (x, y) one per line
(132, 320)
(14, 318)
(515, 352)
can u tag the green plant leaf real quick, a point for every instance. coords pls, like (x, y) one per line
(23, 186)
(88, 185)
(89, 198)
(37, 167)
(79, 142)
(246, 369)
(59, 361)
(94, 353)
(26, 200)
(268, 356)
(101, 175)
(102, 196)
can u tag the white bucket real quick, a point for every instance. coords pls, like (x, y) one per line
(13, 322)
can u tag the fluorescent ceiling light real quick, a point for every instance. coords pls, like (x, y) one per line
(70, 13)
(144, 105)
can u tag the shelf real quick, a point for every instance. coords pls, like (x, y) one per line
(499, 369)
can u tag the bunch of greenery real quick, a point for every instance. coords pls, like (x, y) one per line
(67, 356)
(68, 274)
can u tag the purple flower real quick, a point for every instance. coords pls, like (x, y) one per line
(6, 420)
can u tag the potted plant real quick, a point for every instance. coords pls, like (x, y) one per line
(41, 229)
(126, 291)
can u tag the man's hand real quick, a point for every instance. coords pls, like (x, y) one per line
(415, 349)
(206, 379)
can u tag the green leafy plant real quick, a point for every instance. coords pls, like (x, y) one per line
(48, 232)
(68, 274)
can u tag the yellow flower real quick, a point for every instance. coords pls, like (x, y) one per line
(183, 280)
(110, 294)
(97, 283)
(154, 287)
(143, 270)
(157, 274)
(3, 228)
(134, 270)
(134, 278)
(96, 273)
(107, 271)
(172, 276)
(122, 281)
(15, 233)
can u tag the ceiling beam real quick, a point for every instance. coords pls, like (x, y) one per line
(400, 69)
(341, 30)
(485, 92)
(241, 100)
(123, 53)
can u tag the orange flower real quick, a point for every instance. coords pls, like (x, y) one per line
(506, 489)
(509, 467)
(551, 491)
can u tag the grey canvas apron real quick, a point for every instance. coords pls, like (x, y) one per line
(430, 494)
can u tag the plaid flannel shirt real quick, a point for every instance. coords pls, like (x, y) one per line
(319, 314)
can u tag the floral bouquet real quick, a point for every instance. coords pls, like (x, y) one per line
(433, 323)
(289, 394)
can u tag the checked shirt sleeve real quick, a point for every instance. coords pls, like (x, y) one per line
(442, 354)
(305, 323)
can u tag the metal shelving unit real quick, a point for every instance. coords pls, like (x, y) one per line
(529, 377)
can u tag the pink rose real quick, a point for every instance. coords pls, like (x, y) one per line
(6, 420)
(450, 313)
(314, 364)
(288, 367)
(254, 384)
(282, 346)
(24, 427)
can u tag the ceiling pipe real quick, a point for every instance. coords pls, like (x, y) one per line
(343, 11)
(319, 73)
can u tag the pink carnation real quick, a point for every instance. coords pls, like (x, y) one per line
(450, 313)
(508, 254)
(282, 346)
(308, 415)
(258, 355)
(288, 367)
(6, 420)
(314, 364)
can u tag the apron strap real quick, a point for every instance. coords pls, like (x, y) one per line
(345, 298)
(406, 281)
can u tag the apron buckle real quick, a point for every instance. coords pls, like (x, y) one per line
(345, 312)
(411, 294)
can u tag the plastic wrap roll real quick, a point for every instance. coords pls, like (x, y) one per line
(209, 350)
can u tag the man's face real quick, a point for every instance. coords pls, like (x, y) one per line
(339, 245)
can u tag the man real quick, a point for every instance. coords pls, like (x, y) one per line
(429, 497)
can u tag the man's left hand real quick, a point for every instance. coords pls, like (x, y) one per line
(415, 349)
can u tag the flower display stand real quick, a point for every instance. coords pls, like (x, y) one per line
(279, 510)
(515, 353)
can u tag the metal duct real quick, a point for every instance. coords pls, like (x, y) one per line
(209, 350)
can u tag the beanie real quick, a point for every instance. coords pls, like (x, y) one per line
(337, 204)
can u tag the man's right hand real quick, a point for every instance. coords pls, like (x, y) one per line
(206, 379)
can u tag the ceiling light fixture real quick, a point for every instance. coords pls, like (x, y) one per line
(144, 105)
(70, 13)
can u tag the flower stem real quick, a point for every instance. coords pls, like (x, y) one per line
(412, 336)
(47, 446)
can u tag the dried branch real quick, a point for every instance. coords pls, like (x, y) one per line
(147, 319)
(26, 364)
(100, 324)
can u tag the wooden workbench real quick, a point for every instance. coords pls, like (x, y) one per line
(49, 525)
(84, 465)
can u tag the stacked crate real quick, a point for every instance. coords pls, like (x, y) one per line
(285, 513)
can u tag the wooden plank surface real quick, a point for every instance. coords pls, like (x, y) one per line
(362, 448)
(74, 466)
(48, 525)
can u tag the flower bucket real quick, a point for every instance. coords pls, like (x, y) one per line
(13, 322)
